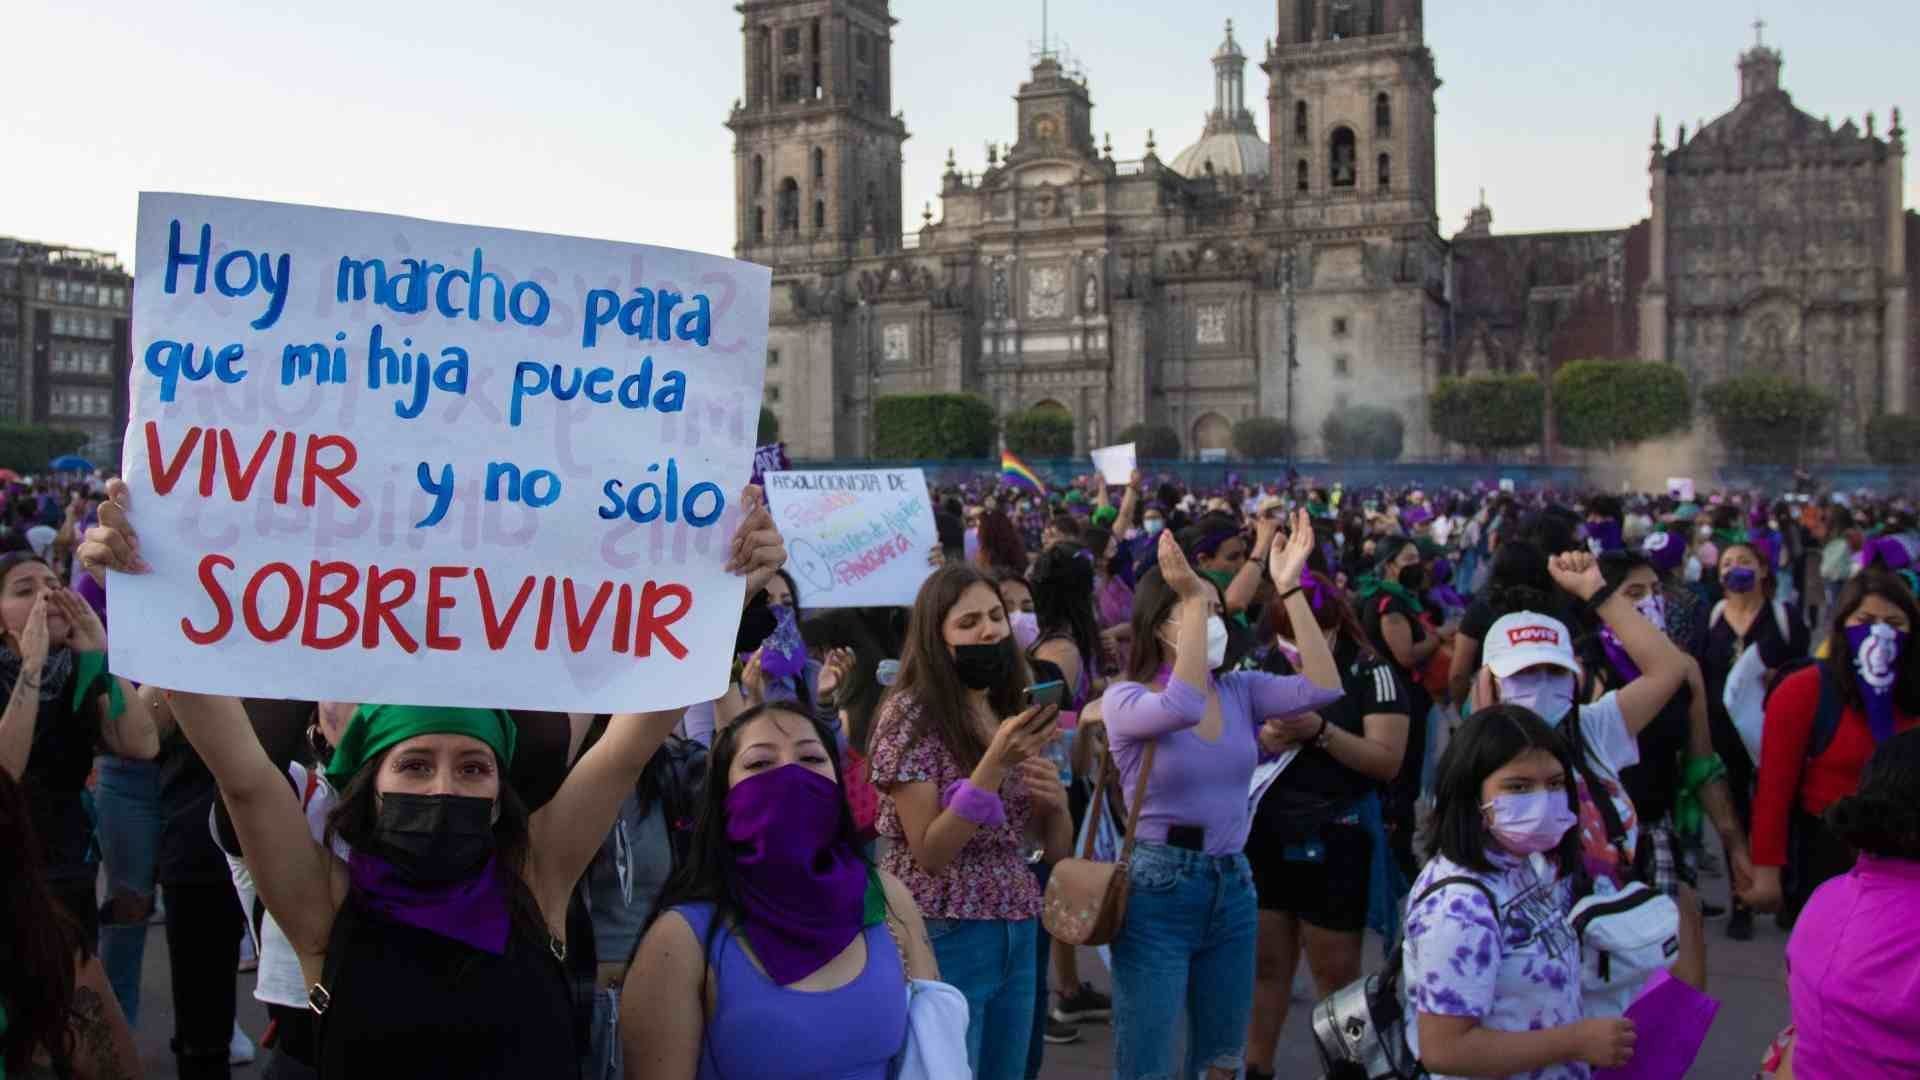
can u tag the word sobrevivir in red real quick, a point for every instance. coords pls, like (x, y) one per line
(363, 602)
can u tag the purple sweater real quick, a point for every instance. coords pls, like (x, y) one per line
(1196, 782)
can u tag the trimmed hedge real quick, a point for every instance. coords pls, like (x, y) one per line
(1043, 433)
(1262, 438)
(1600, 403)
(1151, 442)
(1363, 433)
(26, 448)
(1766, 418)
(1490, 412)
(1894, 439)
(932, 426)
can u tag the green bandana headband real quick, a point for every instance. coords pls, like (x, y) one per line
(375, 729)
(1370, 586)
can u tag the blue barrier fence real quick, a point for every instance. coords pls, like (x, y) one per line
(1439, 475)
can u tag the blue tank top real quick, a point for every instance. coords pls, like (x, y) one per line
(761, 1031)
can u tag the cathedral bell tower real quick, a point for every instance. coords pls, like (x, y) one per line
(816, 142)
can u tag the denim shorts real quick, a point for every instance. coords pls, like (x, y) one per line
(1187, 945)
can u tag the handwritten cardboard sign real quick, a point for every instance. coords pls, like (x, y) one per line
(1680, 487)
(1116, 463)
(854, 539)
(375, 458)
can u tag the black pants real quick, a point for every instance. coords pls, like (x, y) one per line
(76, 896)
(1815, 856)
(204, 924)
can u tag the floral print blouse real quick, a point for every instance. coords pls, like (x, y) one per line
(989, 877)
(1515, 969)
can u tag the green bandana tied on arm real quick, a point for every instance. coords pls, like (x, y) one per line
(1688, 812)
(90, 678)
(375, 729)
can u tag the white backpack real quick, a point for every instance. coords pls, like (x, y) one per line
(1626, 934)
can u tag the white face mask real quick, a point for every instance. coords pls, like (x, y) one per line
(1216, 642)
(1549, 694)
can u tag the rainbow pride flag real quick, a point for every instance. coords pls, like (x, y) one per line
(1013, 471)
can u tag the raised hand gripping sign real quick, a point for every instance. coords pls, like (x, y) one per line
(857, 538)
(375, 458)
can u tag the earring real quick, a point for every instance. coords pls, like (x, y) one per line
(317, 743)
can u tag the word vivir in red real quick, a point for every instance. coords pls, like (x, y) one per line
(220, 456)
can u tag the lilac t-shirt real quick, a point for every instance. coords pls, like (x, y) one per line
(1196, 782)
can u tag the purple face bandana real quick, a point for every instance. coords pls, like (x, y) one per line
(802, 888)
(1876, 651)
(473, 911)
(783, 655)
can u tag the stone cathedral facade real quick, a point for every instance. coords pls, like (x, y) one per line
(1174, 291)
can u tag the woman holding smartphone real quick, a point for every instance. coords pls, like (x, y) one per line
(1188, 941)
(967, 795)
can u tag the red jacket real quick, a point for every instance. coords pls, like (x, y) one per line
(1787, 778)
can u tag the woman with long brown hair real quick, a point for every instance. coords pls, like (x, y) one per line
(966, 797)
(55, 1004)
(1310, 848)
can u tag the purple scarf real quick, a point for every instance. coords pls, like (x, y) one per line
(783, 655)
(802, 888)
(472, 912)
(1876, 649)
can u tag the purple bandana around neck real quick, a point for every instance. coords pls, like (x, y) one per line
(1617, 655)
(472, 912)
(801, 888)
(1876, 649)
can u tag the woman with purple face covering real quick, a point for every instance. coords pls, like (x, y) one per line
(1748, 617)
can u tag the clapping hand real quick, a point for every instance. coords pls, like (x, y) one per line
(1177, 571)
(1287, 562)
(838, 666)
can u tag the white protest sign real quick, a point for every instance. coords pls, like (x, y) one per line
(1680, 487)
(1506, 484)
(375, 458)
(854, 539)
(1116, 463)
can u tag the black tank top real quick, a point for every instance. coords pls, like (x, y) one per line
(402, 1001)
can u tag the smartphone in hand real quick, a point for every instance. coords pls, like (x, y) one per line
(1053, 692)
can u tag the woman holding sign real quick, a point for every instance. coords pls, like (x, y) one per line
(432, 925)
(967, 796)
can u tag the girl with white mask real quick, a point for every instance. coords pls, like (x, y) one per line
(1196, 734)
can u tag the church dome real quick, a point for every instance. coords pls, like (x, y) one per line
(1231, 144)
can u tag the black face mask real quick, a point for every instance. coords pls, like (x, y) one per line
(434, 839)
(982, 667)
(1413, 577)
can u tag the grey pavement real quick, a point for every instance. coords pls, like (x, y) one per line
(1746, 977)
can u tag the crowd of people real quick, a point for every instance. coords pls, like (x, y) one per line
(1479, 723)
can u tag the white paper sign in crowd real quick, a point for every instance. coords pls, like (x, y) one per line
(375, 458)
(856, 538)
(1116, 463)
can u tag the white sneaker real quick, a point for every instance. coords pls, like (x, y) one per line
(240, 1050)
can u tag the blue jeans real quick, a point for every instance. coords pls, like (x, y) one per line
(603, 1042)
(126, 801)
(1188, 941)
(991, 961)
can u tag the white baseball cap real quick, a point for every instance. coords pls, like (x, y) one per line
(1526, 639)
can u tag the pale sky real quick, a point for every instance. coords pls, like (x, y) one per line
(604, 119)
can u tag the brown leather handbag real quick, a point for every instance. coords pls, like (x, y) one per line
(1086, 900)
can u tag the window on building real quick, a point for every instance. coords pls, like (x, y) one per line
(1339, 326)
(773, 394)
(790, 40)
(1299, 119)
(1303, 23)
(1340, 158)
(787, 214)
(1340, 364)
(773, 358)
(1301, 181)
(759, 222)
(1342, 20)
(814, 37)
(1382, 115)
(861, 50)
(1386, 171)
(859, 91)
(759, 178)
(819, 164)
(790, 86)
(819, 213)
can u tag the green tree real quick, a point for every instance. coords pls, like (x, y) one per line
(26, 448)
(1601, 403)
(1261, 438)
(1767, 418)
(1489, 412)
(932, 426)
(769, 427)
(1151, 442)
(1040, 432)
(1363, 433)
(1894, 439)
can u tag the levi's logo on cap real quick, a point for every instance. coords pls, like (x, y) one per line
(1533, 635)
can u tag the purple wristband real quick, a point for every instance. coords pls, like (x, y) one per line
(983, 808)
